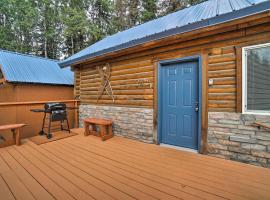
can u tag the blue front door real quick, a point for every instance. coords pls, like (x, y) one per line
(179, 103)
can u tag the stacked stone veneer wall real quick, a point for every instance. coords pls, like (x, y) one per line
(135, 123)
(232, 136)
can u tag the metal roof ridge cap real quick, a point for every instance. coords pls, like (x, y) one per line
(227, 17)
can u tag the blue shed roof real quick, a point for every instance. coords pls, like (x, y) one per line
(198, 16)
(23, 68)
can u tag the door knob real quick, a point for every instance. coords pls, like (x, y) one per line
(196, 106)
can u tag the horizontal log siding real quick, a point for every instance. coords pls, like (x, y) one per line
(132, 84)
(77, 81)
(222, 70)
(132, 71)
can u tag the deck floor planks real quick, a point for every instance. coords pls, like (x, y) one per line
(56, 191)
(150, 170)
(209, 172)
(5, 191)
(206, 185)
(188, 157)
(214, 169)
(124, 169)
(212, 175)
(31, 184)
(211, 161)
(108, 189)
(234, 179)
(200, 159)
(62, 182)
(138, 175)
(113, 181)
(16, 187)
(215, 175)
(88, 154)
(96, 190)
(158, 191)
(186, 165)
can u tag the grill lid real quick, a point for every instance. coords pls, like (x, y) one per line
(49, 107)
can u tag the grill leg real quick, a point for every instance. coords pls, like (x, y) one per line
(49, 135)
(67, 123)
(62, 121)
(43, 122)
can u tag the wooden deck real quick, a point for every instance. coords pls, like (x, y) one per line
(86, 168)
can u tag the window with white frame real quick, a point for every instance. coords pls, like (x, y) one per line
(256, 79)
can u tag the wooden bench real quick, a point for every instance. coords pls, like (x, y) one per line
(16, 130)
(104, 125)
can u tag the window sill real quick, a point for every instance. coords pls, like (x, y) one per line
(256, 113)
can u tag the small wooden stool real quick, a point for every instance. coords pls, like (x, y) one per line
(105, 128)
(16, 130)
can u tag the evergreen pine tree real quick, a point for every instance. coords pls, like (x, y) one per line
(53, 28)
(149, 11)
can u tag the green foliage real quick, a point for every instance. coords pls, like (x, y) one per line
(133, 12)
(120, 17)
(60, 28)
(149, 10)
(75, 28)
(48, 31)
(101, 23)
(6, 33)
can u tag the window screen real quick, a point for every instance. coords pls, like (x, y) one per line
(258, 78)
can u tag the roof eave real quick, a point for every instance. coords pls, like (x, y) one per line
(39, 83)
(228, 17)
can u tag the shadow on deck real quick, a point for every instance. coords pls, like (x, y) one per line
(81, 167)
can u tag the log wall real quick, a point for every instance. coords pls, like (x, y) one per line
(133, 75)
(222, 70)
(132, 84)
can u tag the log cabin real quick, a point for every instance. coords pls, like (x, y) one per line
(197, 79)
(27, 82)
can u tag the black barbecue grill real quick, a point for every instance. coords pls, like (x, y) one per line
(53, 112)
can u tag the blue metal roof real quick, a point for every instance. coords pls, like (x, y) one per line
(195, 17)
(23, 68)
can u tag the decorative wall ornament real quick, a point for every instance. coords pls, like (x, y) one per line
(105, 74)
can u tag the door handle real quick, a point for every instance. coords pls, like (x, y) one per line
(196, 106)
